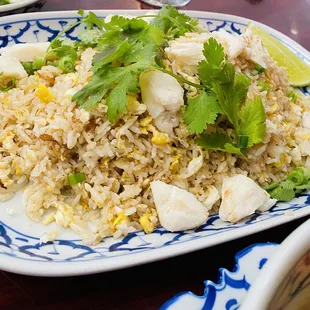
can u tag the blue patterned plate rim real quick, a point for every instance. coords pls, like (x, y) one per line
(21, 252)
(238, 280)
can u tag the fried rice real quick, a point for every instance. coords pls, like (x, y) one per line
(45, 136)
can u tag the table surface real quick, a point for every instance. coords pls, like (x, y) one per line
(149, 286)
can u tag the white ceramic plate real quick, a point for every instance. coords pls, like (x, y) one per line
(20, 249)
(21, 7)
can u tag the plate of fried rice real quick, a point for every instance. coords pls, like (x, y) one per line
(132, 136)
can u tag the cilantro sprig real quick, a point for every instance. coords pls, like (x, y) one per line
(173, 23)
(127, 48)
(225, 94)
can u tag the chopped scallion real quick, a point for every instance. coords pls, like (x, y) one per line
(76, 178)
(66, 64)
(259, 68)
(264, 86)
(28, 67)
(38, 63)
(8, 86)
(293, 96)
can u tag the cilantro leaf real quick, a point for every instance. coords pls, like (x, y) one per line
(173, 23)
(283, 192)
(231, 96)
(139, 52)
(214, 53)
(91, 20)
(109, 54)
(219, 142)
(296, 182)
(134, 30)
(201, 111)
(106, 80)
(117, 99)
(253, 121)
(89, 38)
(215, 69)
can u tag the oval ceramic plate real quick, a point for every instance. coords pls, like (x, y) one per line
(20, 248)
(21, 7)
(232, 286)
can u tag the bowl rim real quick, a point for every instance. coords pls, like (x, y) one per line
(276, 269)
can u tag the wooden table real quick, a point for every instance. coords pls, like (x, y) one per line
(149, 286)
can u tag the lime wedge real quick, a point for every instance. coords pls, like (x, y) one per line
(298, 71)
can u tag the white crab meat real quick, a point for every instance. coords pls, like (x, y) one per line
(160, 92)
(25, 51)
(255, 50)
(306, 119)
(305, 147)
(166, 122)
(241, 197)
(10, 68)
(186, 53)
(213, 197)
(233, 44)
(193, 167)
(177, 209)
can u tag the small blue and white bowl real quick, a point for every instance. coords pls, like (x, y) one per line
(24, 6)
(266, 276)
(284, 283)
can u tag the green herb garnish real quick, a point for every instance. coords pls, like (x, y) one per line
(28, 67)
(76, 178)
(173, 23)
(227, 91)
(201, 111)
(296, 182)
(128, 48)
(3, 2)
(293, 96)
(259, 68)
(11, 84)
(263, 86)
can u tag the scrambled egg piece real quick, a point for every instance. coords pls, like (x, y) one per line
(119, 219)
(48, 237)
(174, 166)
(134, 106)
(281, 162)
(64, 214)
(18, 171)
(144, 122)
(160, 138)
(145, 222)
(49, 219)
(45, 94)
(8, 134)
